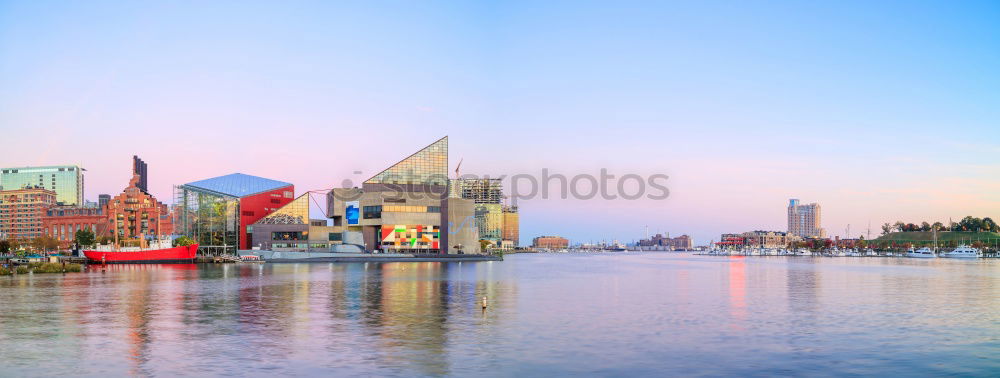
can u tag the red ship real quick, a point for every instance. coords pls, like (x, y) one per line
(156, 253)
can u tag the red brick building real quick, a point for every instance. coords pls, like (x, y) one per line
(62, 223)
(21, 212)
(550, 242)
(135, 213)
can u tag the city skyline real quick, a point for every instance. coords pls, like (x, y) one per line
(891, 119)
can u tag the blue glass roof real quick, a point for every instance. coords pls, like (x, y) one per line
(238, 184)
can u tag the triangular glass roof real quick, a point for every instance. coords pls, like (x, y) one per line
(295, 212)
(427, 166)
(238, 184)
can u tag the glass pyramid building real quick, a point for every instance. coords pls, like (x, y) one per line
(295, 212)
(429, 166)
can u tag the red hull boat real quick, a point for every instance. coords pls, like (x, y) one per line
(144, 256)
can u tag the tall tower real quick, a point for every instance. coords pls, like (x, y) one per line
(139, 168)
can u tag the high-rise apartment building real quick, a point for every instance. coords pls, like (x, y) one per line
(487, 194)
(511, 226)
(805, 220)
(65, 180)
(21, 212)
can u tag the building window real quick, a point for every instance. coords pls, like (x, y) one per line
(336, 236)
(293, 235)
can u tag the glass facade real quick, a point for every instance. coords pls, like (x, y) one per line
(65, 180)
(489, 221)
(427, 166)
(295, 212)
(209, 218)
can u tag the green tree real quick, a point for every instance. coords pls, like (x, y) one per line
(989, 225)
(4, 247)
(183, 241)
(484, 244)
(925, 226)
(886, 228)
(84, 237)
(937, 226)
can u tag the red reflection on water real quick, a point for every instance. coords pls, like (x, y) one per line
(737, 291)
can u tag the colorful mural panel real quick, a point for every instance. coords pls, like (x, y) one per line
(402, 236)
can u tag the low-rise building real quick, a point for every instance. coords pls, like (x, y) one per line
(756, 239)
(62, 223)
(550, 242)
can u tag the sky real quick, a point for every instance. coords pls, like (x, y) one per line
(879, 111)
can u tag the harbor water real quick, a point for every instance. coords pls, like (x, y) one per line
(604, 314)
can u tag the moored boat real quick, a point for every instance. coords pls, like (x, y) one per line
(161, 251)
(963, 252)
(923, 253)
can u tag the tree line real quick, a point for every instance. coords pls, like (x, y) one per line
(968, 223)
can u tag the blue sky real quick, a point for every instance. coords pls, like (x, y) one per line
(878, 110)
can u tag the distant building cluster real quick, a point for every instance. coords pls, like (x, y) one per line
(682, 242)
(410, 207)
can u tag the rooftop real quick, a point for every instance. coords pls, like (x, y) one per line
(238, 184)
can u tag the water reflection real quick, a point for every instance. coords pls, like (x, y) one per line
(619, 314)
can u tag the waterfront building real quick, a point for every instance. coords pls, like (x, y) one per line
(290, 228)
(21, 211)
(139, 169)
(218, 212)
(805, 220)
(65, 180)
(407, 208)
(511, 227)
(682, 242)
(487, 194)
(550, 242)
(135, 214)
(62, 223)
(757, 239)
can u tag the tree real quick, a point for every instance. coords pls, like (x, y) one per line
(484, 244)
(84, 237)
(886, 228)
(4, 247)
(183, 241)
(989, 225)
(899, 226)
(44, 243)
(925, 226)
(937, 226)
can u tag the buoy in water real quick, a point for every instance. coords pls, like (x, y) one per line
(484, 303)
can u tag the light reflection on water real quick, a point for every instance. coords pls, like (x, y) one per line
(608, 314)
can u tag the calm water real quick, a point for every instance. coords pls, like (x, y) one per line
(608, 315)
